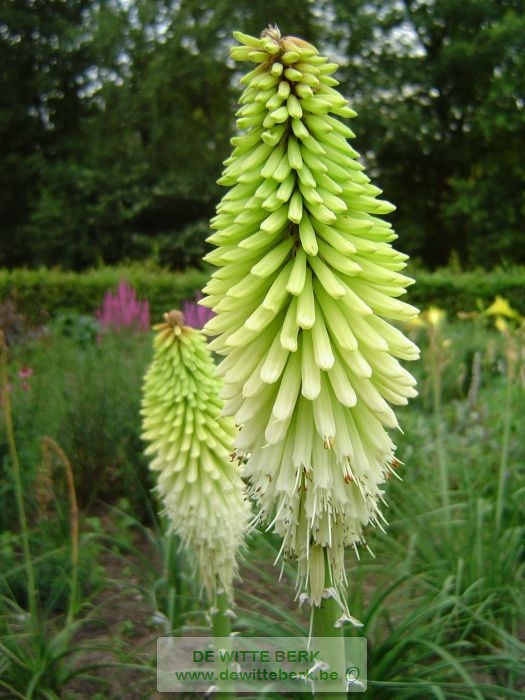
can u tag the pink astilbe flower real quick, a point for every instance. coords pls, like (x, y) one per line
(124, 310)
(195, 315)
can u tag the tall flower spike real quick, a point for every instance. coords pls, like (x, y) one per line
(307, 276)
(191, 443)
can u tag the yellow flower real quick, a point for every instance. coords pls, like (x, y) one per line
(501, 324)
(435, 316)
(501, 307)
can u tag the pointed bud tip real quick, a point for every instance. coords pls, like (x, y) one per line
(174, 318)
(271, 32)
(173, 322)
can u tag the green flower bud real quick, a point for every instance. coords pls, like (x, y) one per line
(191, 445)
(307, 276)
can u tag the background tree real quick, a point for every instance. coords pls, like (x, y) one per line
(115, 118)
(44, 62)
(437, 86)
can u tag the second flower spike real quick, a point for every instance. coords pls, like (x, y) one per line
(190, 445)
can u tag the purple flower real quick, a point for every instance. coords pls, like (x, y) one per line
(195, 315)
(124, 310)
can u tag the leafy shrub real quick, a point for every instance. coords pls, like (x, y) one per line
(41, 293)
(86, 396)
(463, 291)
(52, 564)
(80, 328)
(186, 248)
(16, 327)
(44, 293)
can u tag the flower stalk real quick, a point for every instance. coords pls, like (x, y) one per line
(504, 317)
(307, 278)
(221, 626)
(325, 624)
(435, 318)
(190, 445)
(48, 446)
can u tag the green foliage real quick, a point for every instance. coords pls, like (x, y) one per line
(115, 118)
(169, 580)
(38, 663)
(418, 642)
(42, 113)
(183, 251)
(456, 576)
(38, 655)
(442, 603)
(466, 291)
(41, 294)
(86, 396)
(115, 123)
(15, 326)
(82, 329)
(52, 565)
(438, 88)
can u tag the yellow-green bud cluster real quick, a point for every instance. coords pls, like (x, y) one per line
(191, 446)
(307, 276)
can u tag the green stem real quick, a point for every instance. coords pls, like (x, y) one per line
(221, 624)
(325, 616)
(221, 628)
(435, 353)
(172, 585)
(6, 404)
(504, 457)
(73, 524)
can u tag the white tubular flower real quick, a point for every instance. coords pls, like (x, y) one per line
(307, 276)
(191, 443)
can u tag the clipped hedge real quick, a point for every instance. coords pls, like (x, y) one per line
(43, 293)
(467, 291)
